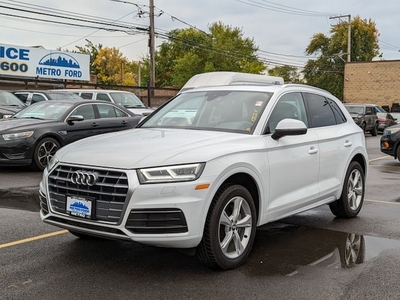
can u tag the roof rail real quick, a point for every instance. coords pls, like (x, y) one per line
(287, 85)
(229, 78)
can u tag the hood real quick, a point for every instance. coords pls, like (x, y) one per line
(16, 124)
(9, 109)
(141, 147)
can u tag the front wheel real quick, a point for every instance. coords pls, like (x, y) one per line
(43, 153)
(351, 200)
(230, 229)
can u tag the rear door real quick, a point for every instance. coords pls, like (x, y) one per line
(112, 118)
(335, 141)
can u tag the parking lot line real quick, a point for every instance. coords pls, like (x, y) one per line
(380, 201)
(379, 158)
(34, 238)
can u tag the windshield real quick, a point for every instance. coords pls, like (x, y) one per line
(8, 99)
(45, 110)
(220, 110)
(127, 100)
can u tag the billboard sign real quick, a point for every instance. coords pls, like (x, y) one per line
(42, 63)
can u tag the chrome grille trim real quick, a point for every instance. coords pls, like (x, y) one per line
(109, 192)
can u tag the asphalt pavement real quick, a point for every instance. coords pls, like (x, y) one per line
(19, 187)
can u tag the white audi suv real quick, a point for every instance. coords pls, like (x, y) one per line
(208, 167)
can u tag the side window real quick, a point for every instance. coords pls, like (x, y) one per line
(86, 111)
(368, 111)
(22, 96)
(87, 95)
(109, 111)
(321, 113)
(103, 96)
(339, 116)
(289, 106)
(37, 98)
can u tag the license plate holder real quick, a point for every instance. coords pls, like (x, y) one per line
(80, 206)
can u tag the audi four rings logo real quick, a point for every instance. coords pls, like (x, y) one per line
(84, 178)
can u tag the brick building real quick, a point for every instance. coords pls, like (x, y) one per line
(376, 82)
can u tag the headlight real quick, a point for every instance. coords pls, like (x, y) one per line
(18, 135)
(170, 173)
(389, 131)
(52, 163)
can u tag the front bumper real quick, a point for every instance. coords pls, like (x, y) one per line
(16, 153)
(166, 215)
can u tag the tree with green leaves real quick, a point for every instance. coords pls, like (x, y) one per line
(92, 50)
(190, 51)
(288, 73)
(327, 70)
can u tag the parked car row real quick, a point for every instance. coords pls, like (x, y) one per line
(125, 99)
(370, 117)
(36, 123)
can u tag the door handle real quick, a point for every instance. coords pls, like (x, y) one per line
(95, 124)
(124, 123)
(313, 150)
(348, 143)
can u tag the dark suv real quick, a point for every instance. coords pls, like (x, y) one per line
(365, 116)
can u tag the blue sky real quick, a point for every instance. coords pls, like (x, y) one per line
(281, 30)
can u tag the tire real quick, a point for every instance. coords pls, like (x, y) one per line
(230, 229)
(352, 197)
(363, 127)
(374, 131)
(44, 151)
(352, 251)
(398, 152)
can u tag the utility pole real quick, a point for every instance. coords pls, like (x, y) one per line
(151, 49)
(348, 36)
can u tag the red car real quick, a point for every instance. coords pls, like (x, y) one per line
(385, 120)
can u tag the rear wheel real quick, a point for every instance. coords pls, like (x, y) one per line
(352, 198)
(374, 131)
(363, 127)
(230, 229)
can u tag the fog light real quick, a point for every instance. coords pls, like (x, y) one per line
(385, 144)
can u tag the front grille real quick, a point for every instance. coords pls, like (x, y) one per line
(156, 221)
(108, 193)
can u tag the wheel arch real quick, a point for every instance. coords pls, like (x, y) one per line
(247, 181)
(50, 135)
(361, 160)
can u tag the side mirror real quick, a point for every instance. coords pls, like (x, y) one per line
(289, 127)
(75, 118)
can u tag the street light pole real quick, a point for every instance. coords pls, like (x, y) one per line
(348, 36)
(151, 49)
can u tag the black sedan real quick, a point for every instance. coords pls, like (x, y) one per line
(390, 141)
(9, 104)
(33, 135)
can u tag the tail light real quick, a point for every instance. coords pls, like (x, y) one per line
(382, 120)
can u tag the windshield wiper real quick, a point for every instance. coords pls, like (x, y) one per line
(36, 118)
